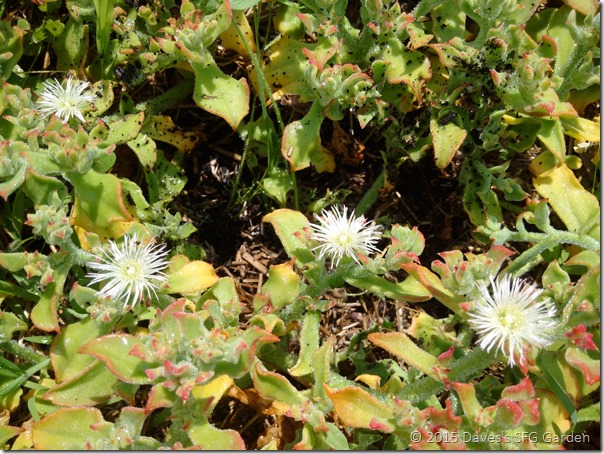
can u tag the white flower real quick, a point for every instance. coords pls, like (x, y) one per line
(510, 317)
(341, 235)
(65, 102)
(131, 270)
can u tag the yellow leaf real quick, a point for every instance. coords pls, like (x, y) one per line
(193, 277)
(373, 381)
(581, 129)
(230, 38)
(578, 208)
(358, 408)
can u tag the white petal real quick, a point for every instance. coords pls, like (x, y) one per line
(130, 271)
(510, 316)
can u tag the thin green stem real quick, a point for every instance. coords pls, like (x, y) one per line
(11, 289)
(370, 196)
(546, 241)
(169, 99)
(262, 86)
(23, 352)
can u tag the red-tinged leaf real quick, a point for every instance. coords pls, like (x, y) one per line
(93, 386)
(431, 282)
(522, 391)
(160, 397)
(190, 325)
(66, 429)
(443, 418)
(44, 313)
(498, 254)
(445, 358)
(425, 442)
(581, 338)
(530, 408)
(402, 346)
(115, 351)
(486, 416)
(319, 58)
(67, 362)
(99, 205)
(176, 369)
(290, 227)
(442, 369)
(273, 386)
(270, 323)
(467, 396)
(589, 367)
(357, 408)
(509, 413)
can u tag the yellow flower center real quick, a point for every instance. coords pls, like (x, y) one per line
(511, 318)
(343, 238)
(132, 269)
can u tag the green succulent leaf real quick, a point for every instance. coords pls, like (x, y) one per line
(117, 352)
(67, 429)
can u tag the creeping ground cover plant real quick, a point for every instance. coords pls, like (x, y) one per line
(307, 224)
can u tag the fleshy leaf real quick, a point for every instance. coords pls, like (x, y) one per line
(309, 344)
(274, 386)
(290, 227)
(230, 38)
(99, 204)
(95, 385)
(66, 429)
(580, 360)
(115, 350)
(163, 129)
(66, 360)
(431, 282)
(125, 129)
(408, 290)
(578, 208)
(220, 94)
(193, 277)
(447, 140)
(44, 313)
(404, 66)
(282, 286)
(402, 346)
(208, 437)
(8, 432)
(301, 145)
(358, 408)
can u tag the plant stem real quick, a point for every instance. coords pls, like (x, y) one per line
(27, 354)
(546, 241)
(370, 196)
(167, 100)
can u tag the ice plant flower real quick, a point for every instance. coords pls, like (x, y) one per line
(510, 316)
(131, 271)
(65, 102)
(341, 235)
